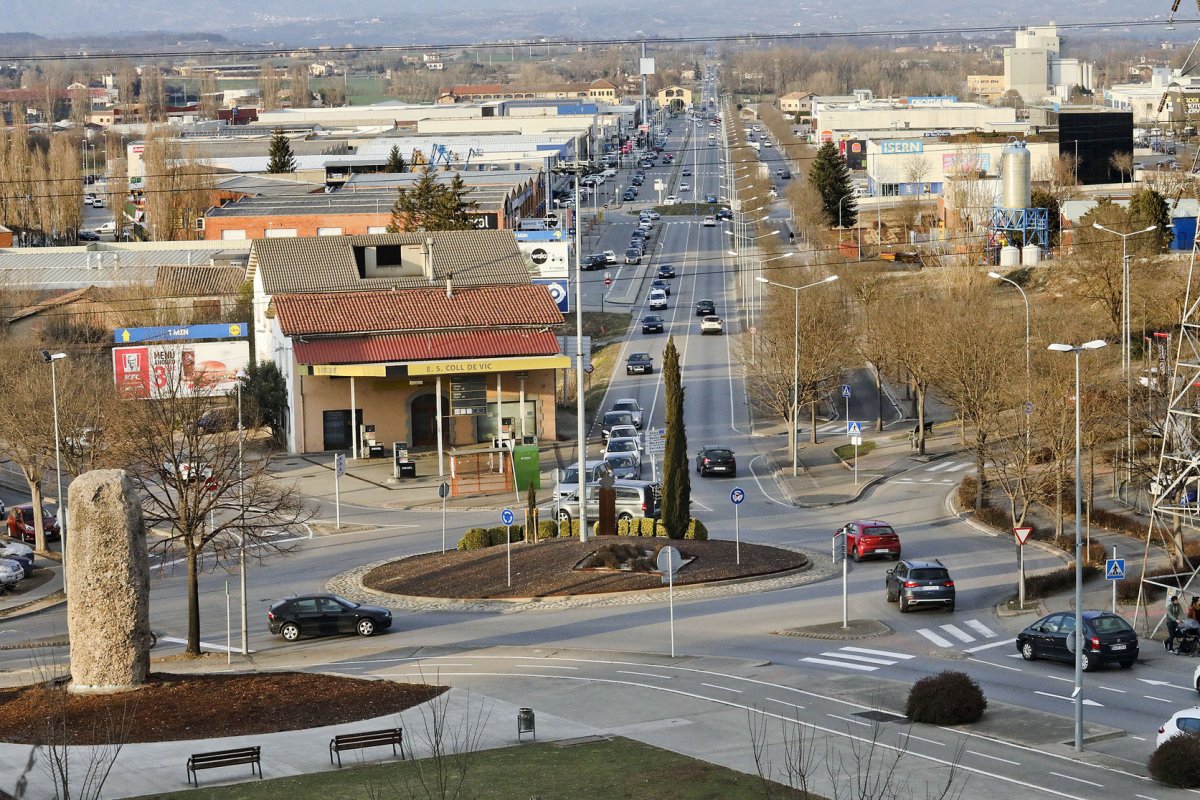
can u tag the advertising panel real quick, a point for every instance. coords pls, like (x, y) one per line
(932, 101)
(194, 369)
(546, 259)
(891, 147)
(855, 153)
(966, 163)
(1191, 104)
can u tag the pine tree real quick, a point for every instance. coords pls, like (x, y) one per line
(395, 162)
(677, 481)
(282, 159)
(1147, 208)
(432, 206)
(830, 177)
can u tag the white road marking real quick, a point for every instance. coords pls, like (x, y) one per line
(1086, 702)
(1080, 780)
(993, 664)
(990, 645)
(994, 758)
(784, 702)
(908, 735)
(542, 666)
(203, 645)
(863, 659)
(850, 720)
(870, 652)
(935, 638)
(957, 633)
(722, 688)
(847, 665)
(1156, 699)
(647, 674)
(1111, 689)
(980, 628)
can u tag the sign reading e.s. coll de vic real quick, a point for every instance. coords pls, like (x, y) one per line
(468, 366)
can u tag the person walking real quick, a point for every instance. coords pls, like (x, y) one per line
(1174, 617)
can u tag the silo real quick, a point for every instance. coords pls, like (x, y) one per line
(1015, 166)
(1010, 256)
(1031, 254)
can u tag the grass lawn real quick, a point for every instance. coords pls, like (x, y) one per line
(603, 770)
(846, 451)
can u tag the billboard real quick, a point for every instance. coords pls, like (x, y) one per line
(966, 163)
(855, 153)
(891, 147)
(192, 369)
(546, 259)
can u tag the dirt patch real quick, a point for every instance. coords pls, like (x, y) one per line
(173, 707)
(546, 569)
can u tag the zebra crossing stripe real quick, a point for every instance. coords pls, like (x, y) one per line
(933, 637)
(960, 467)
(869, 651)
(957, 633)
(940, 467)
(980, 628)
(866, 659)
(848, 665)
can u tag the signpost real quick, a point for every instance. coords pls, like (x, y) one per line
(1022, 535)
(656, 445)
(846, 394)
(737, 497)
(443, 492)
(339, 469)
(507, 517)
(855, 431)
(669, 561)
(839, 554)
(1114, 570)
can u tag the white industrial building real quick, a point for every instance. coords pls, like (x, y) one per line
(1036, 69)
(924, 166)
(906, 116)
(1143, 99)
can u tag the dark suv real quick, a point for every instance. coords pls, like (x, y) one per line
(705, 307)
(920, 583)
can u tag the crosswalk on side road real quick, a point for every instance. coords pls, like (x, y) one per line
(860, 659)
(942, 472)
(958, 633)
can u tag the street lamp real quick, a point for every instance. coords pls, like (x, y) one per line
(578, 169)
(844, 199)
(241, 377)
(1126, 335)
(795, 439)
(1028, 371)
(50, 358)
(1095, 344)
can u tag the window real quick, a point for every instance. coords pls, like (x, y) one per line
(373, 229)
(233, 235)
(930, 575)
(306, 606)
(329, 231)
(280, 233)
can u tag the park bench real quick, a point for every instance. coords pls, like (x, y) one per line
(357, 741)
(223, 758)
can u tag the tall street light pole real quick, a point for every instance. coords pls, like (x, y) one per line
(1028, 370)
(50, 358)
(1126, 336)
(577, 170)
(794, 438)
(242, 514)
(1077, 694)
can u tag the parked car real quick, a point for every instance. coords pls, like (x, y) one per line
(919, 583)
(652, 323)
(659, 283)
(867, 537)
(612, 418)
(639, 364)
(186, 471)
(87, 236)
(1186, 721)
(705, 308)
(214, 420)
(593, 262)
(1106, 638)
(11, 573)
(323, 615)
(666, 271)
(625, 466)
(49, 524)
(658, 299)
(716, 460)
(712, 324)
(630, 405)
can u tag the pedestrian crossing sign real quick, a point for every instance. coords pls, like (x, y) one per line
(1114, 569)
(853, 428)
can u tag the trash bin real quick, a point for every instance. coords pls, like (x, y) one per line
(406, 469)
(525, 723)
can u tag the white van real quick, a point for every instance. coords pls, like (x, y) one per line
(609, 173)
(658, 299)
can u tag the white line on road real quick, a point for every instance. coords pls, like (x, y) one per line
(647, 674)
(203, 645)
(979, 627)
(1060, 678)
(1086, 702)
(829, 663)
(849, 719)
(784, 702)
(758, 483)
(992, 664)
(908, 735)
(871, 652)
(940, 641)
(864, 659)
(957, 633)
(1156, 699)
(990, 645)
(542, 666)
(1111, 689)
(994, 758)
(1073, 778)
(722, 688)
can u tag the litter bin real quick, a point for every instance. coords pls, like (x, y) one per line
(525, 723)
(406, 469)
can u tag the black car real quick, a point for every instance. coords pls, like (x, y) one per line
(705, 308)
(652, 323)
(661, 284)
(639, 364)
(723, 213)
(1107, 638)
(214, 420)
(687, 173)
(88, 236)
(716, 459)
(324, 615)
(628, 195)
(666, 271)
(919, 583)
(637, 181)
(597, 261)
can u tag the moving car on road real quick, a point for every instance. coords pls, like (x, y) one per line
(652, 323)
(633, 255)
(705, 308)
(639, 364)
(919, 583)
(625, 466)
(1106, 638)
(325, 614)
(658, 299)
(712, 324)
(666, 271)
(867, 537)
(659, 283)
(632, 406)
(710, 221)
(719, 460)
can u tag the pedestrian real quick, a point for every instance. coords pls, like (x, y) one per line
(1193, 611)
(16, 524)
(1174, 616)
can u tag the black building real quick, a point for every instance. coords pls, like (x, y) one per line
(1094, 136)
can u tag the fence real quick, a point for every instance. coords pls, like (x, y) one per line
(484, 472)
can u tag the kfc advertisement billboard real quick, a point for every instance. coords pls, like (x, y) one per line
(191, 369)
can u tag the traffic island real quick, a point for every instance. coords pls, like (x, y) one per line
(854, 629)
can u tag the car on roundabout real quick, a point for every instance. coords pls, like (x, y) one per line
(325, 615)
(919, 583)
(869, 537)
(1108, 638)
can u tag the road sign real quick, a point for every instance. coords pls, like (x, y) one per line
(737, 496)
(845, 390)
(551, 220)
(1022, 534)
(171, 333)
(856, 440)
(443, 490)
(668, 560)
(608, 281)
(853, 428)
(559, 291)
(1028, 407)
(339, 464)
(507, 516)
(656, 441)
(1114, 569)
(753, 330)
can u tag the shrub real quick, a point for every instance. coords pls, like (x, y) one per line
(948, 698)
(546, 529)
(647, 527)
(1048, 583)
(1176, 762)
(627, 527)
(567, 530)
(474, 539)
(696, 530)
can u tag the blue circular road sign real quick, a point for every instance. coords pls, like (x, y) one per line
(737, 496)
(506, 516)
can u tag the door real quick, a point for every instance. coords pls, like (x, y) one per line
(423, 415)
(307, 615)
(334, 618)
(338, 433)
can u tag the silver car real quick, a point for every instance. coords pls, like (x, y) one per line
(625, 466)
(10, 572)
(632, 406)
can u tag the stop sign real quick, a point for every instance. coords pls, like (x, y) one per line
(608, 281)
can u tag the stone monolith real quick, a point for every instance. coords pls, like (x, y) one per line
(108, 584)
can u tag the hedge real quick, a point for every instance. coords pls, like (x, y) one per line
(478, 538)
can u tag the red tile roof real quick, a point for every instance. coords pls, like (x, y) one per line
(425, 346)
(416, 310)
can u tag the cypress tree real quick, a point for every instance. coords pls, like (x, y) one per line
(677, 481)
(282, 159)
(395, 162)
(830, 177)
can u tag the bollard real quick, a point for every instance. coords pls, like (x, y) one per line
(525, 723)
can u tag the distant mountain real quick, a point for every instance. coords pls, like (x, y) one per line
(317, 22)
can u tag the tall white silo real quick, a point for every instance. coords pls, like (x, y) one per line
(1016, 169)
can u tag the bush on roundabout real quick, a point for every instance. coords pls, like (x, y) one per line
(479, 538)
(1176, 762)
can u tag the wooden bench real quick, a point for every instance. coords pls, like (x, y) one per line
(927, 427)
(357, 741)
(223, 758)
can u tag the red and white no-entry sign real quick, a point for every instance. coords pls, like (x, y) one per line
(1022, 534)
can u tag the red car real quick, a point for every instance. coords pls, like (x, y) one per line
(865, 538)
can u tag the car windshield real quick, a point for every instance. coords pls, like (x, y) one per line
(929, 574)
(620, 461)
(1109, 624)
(622, 447)
(626, 405)
(640, 357)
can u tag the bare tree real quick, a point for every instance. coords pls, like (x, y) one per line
(178, 188)
(298, 83)
(210, 96)
(907, 336)
(268, 86)
(212, 496)
(1122, 163)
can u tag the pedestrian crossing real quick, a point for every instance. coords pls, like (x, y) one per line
(948, 472)
(957, 634)
(859, 659)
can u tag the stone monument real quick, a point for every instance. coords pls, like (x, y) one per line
(108, 584)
